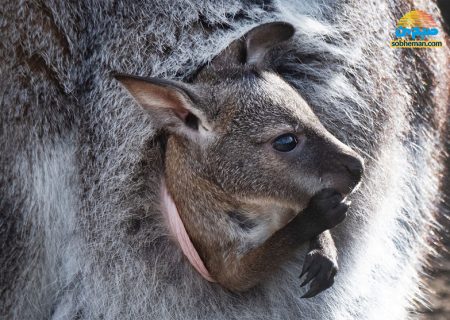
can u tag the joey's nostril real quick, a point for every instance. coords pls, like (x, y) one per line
(355, 167)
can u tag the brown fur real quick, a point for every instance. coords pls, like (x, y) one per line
(227, 180)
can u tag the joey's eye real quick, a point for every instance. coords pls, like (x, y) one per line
(285, 142)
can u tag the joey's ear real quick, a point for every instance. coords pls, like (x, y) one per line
(170, 102)
(261, 39)
(251, 49)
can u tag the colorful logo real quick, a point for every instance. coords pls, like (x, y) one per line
(416, 29)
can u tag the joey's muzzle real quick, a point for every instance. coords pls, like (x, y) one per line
(354, 165)
(344, 172)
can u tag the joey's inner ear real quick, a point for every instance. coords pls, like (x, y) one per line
(170, 102)
(251, 49)
(261, 39)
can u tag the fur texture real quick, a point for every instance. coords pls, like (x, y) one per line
(80, 237)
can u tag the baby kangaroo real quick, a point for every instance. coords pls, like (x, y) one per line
(250, 174)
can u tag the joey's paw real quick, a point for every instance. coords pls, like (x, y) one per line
(320, 271)
(328, 207)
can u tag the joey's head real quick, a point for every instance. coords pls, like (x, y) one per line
(242, 135)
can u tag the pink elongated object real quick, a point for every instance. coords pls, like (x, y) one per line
(178, 230)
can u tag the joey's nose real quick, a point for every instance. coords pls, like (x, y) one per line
(355, 167)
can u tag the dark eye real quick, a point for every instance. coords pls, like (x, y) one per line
(285, 142)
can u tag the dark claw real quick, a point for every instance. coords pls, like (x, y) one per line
(321, 271)
(306, 264)
(317, 286)
(311, 274)
(304, 269)
(312, 292)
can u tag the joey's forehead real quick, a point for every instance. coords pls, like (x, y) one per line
(263, 102)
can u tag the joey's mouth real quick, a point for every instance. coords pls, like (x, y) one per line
(352, 190)
(346, 187)
(347, 194)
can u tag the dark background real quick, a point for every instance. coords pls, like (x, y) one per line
(444, 5)
(439, 279)
(439, 267)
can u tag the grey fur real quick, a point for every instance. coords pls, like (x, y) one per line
(79, 236)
